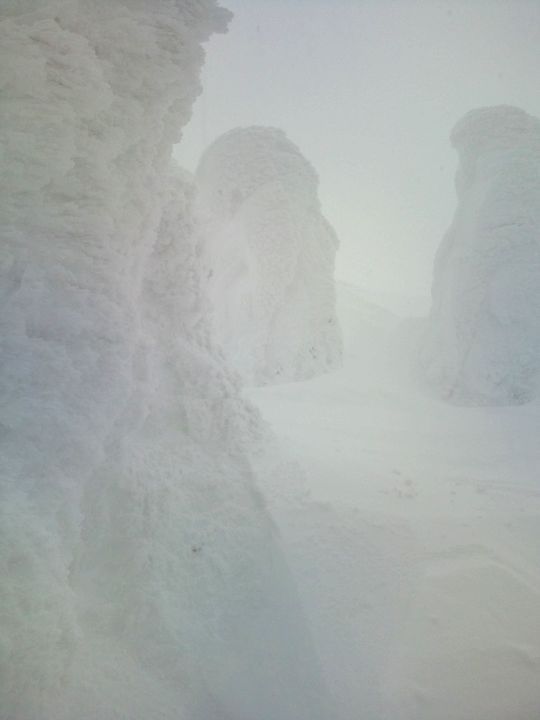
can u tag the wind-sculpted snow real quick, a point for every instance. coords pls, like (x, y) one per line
(269, 255)
(483, 343)
(141, 576)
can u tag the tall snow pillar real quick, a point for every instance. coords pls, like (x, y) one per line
(269, 257)
(483, 341)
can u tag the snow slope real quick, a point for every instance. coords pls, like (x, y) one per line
(141, 574)
(483, 343)
(269, 257)
(415, 534)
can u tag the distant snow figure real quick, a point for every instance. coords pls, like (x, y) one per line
(269, 254)
(483, 341)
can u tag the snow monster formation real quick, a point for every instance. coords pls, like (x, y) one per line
(141, 576)
(269, 257)
(483, 341)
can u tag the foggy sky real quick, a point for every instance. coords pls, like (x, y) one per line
(369, 91)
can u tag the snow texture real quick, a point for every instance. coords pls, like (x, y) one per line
(141, 575)
(269, 256)
(413, 531)
(483, 343)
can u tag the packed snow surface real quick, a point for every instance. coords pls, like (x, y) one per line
(415, 536)
(483, 342)
(269, 257)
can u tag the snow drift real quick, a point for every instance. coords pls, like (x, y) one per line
(141, 576)
(483, 342)
(269, 256)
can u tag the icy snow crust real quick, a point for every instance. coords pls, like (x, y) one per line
(483, 344)
(141, 576)
(269, 257)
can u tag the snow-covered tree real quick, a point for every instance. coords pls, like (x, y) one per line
(141, 576)
(483, 341)
(269, 256)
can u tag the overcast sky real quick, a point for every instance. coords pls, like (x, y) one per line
(369, 91)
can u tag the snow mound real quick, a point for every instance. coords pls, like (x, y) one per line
(269, 256)
(483, 342)
(141, 574)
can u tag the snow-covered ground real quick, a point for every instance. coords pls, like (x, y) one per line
(415, 536)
